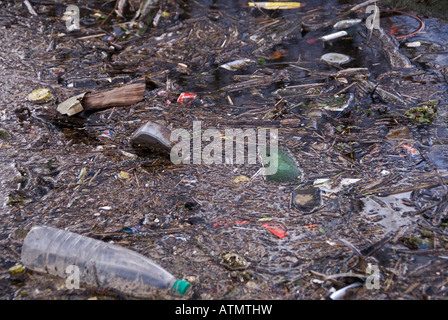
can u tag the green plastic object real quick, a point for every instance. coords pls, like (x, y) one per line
(287, 170)
(180, 286)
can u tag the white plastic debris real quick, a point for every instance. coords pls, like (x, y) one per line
(335, 58)
(344, 24)
(413, 44)
(326, 185)
(333, 36)
(72, 105)
(235, 65)
(339, 294)
(342, 107)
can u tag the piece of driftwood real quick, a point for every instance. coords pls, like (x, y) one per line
(119, 97)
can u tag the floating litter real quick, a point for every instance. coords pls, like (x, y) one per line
(185, 97)
(307, 200)
(344, 24)
(107, 134)
(335, 58)
(276, 5)
(39, 95)
(276, 228)
(72, 105)
(286, 170)
(333, 36)
(235, 65)
(153, 136)
(413, 44)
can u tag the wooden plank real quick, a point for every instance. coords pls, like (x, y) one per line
(119, 97)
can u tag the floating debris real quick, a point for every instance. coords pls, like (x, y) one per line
(4, 134)
(107, 134)
(413, 44)
(241, 179)
(234, 261)
(276, 228)
(334, 35)
(344, 24)
(235, 65)
(307, 200)
(390, 48)
(153, 136)
(343, 106)
(40, 95)
(82, 175)
(385, 95)
(276, 5)
(18, 268)
(335, 58)
(424, 114)
(410, 149)
(124, 175)
(287, 168)
(135, 229)
(185, 97)
(119, 97)
(72, 105)
(326, 185)
(341, 293)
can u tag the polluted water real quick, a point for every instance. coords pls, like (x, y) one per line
(360, 115)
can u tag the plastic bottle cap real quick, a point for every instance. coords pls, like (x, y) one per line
(181, 286)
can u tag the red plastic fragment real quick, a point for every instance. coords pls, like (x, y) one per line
(276, 228)
(184, 97)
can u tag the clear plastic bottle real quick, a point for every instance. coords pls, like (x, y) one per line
(47, 249)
